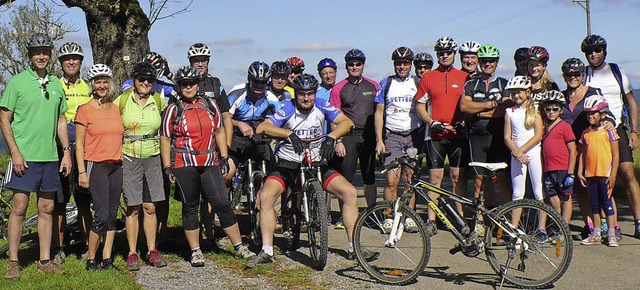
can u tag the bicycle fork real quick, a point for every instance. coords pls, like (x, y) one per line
(397, 229)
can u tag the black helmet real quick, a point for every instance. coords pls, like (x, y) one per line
(187, 73)
(39, 40)
(522, 54)
(305, 82)
(143, 68)
(593, 41)
(402, 53)
(553, 96)
(280, 67)
(423, 57)
(572, 65)
(159, 65)
(355, 54)
(258, 71)
(445, 44)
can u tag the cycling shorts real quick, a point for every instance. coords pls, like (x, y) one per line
(360, 145)
(626, 154)
(487, 148)
(439, 149)
(287, 173)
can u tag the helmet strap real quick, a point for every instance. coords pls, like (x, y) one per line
(141, 95)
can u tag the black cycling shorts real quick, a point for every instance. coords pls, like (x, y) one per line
(287, 172)
(439, 149)
(489, 149)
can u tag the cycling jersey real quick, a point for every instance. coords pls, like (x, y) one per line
(284, 96)
(476, 88)
(304, 125)
(194, 137)
(356, 101)
(604, 79)
(323, 92)
(141, 124)
(77, 94)
(443, 87)
(213, 89)
(243, 109)
(400, 113)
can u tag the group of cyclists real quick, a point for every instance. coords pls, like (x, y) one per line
(184, 128)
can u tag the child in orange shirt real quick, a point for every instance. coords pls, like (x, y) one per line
(597, 168)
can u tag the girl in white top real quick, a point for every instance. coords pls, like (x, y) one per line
(523, 130)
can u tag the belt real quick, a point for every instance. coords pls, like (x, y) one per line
(133, 138)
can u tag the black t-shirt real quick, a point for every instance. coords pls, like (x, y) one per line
(577, 117)
(211, 87)
(538, 94)
(476, 88)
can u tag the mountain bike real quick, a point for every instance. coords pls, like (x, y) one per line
(518, 249)
(30, 222)
(305, 206)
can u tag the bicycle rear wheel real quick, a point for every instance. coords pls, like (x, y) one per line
(400, 262)
(318, 233)
(539, 258)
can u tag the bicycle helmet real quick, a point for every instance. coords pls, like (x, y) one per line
(572, 65)
(445, 44)
(553, 96)
(39, 40)
(327, 62)
(355, 54)
(402, 53)
(160, 63)
(99, 70)
(186, 73)
(521, 54)
(488, 51)
(198, 49)
(519, 82)
(593, 41)
(295, 63)
(423, 57)
(305, 82)
(143, 68)
(258, 71)
(70, 48)
(539, 53)
(469, 47)
(280, 67)
(595, 103)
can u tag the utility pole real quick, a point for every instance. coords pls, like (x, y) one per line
(587, 8)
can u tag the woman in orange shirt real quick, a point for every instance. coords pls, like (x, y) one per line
(99, 134)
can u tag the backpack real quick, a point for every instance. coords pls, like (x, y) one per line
(215, 82)
(179, 116)
(615, 69)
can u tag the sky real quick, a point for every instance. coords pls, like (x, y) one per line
(243, 31)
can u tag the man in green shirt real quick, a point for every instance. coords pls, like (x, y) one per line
(31, 115)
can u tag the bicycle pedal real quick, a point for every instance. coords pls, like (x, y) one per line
(456, 249)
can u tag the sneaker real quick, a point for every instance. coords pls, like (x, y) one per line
(592, 240)
(132, 262)
(619, 233)
(555, 238)
(261, 259)
(410, 226)
(368, 255)
(432, 230)
(339, 225)
(586, 231)
(613, 241)
(604, 228)
(13, 271)
(387, 225)
(49, 268)
(541, 236)
(197, 259)
(637, 233)
(60, 257)
(108, 264)
(244, 253)
(91, 265)
(154, 259)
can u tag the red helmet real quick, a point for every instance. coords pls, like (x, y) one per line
(539, 53)
(295, 62)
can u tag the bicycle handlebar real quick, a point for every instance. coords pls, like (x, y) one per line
(403, 161)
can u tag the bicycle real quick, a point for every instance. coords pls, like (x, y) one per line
(306, 206)
(30, 223)
(540, 259)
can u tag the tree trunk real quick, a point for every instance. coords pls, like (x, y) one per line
(118, 31)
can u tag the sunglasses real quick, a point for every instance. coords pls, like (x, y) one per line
(596, 50)
(444, 53)
(259, 83)
(352, 64)
(573, 75)
(187, 84)
(488, 60)
(296, 71)
(146, 79)
(549, 110)
(402, 62)
(423, 66)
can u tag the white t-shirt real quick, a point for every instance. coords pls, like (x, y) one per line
(400, 108)
(604, 80)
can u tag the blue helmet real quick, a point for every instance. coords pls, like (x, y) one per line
(258, 71)
(327, 62)
(355, 54)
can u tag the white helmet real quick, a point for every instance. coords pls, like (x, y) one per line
(469, 47)
(519, 82)
(99, 70)
(70, 48)
(198, 49)
(595, 103)
(445, 44)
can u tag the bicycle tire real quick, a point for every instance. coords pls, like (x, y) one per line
(553, 249)
(255, 235)
(236, 193)
(5, 212)
(28, 231)
(290, 220)
(398, 264)
(317, 231)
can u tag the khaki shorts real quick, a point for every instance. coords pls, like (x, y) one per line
(142, 180)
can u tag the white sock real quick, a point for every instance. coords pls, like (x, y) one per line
(350, 247)
(268, 249)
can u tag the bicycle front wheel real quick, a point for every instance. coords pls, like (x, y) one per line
(402, 257)
(541, 251)
(317, 231)
(257, 178)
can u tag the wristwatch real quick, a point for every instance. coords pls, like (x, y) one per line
(68, 148)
